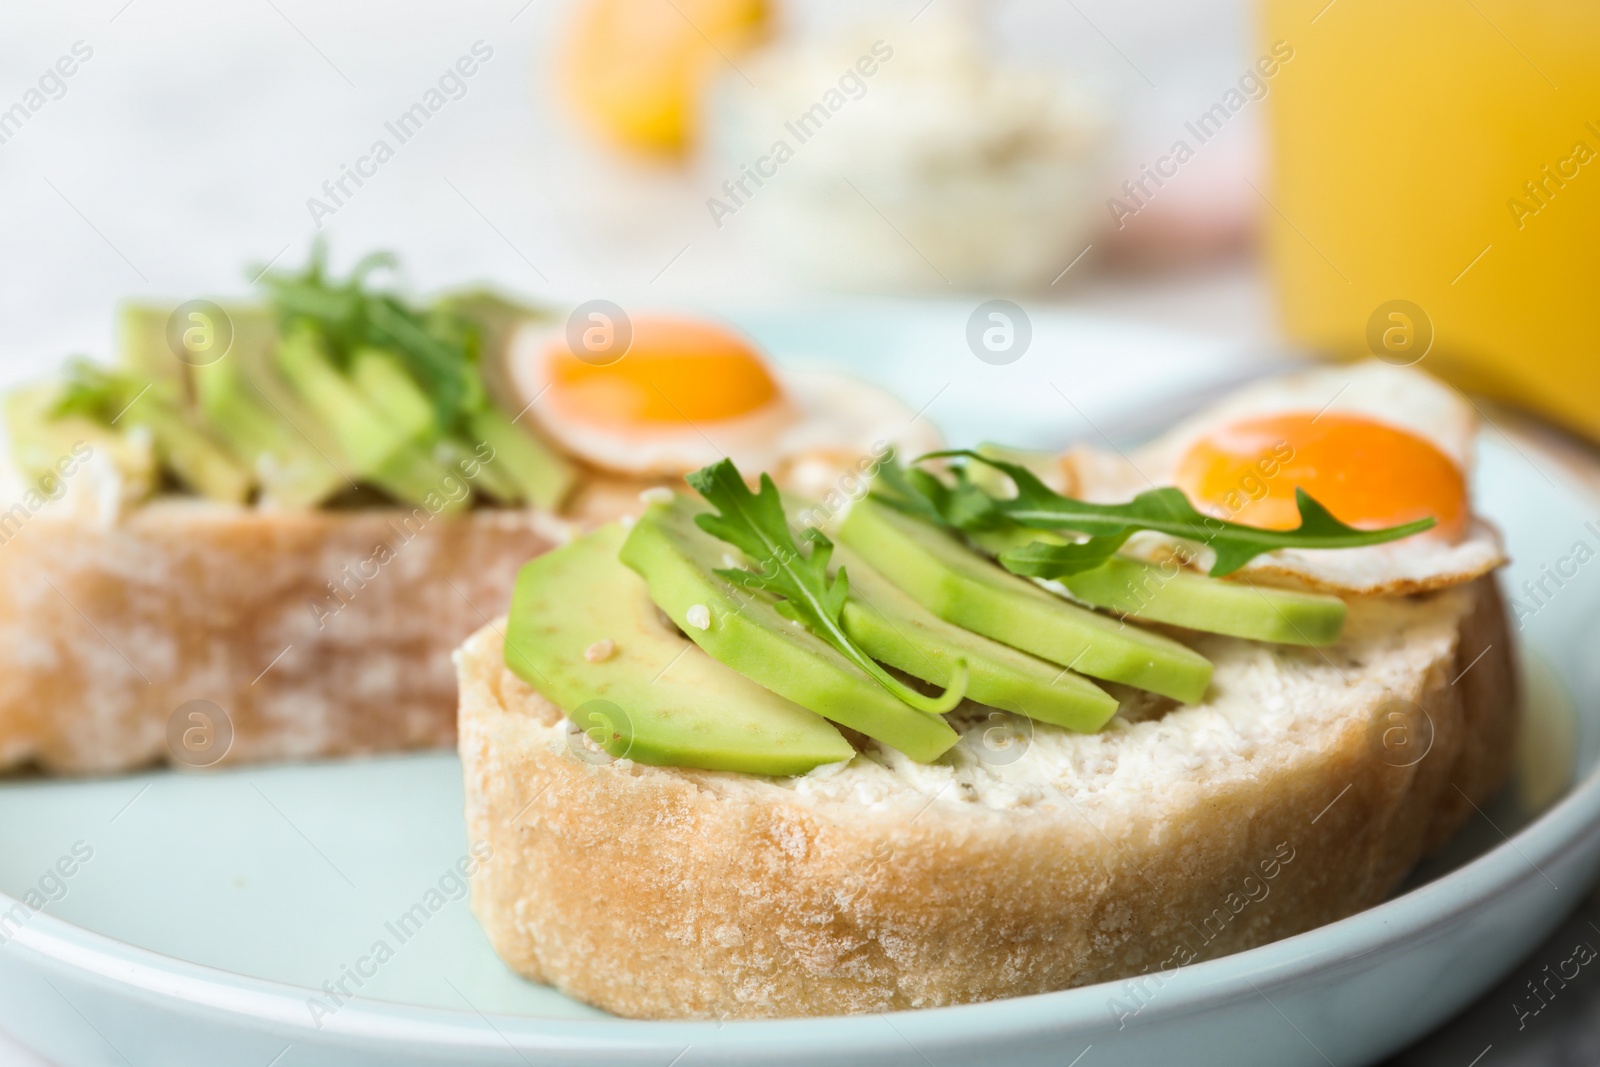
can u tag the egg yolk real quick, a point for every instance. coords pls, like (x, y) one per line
(1368, 474)
(674, 371)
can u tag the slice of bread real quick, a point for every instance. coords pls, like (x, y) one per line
(320, 633)
(301, 634)
(1293, 796)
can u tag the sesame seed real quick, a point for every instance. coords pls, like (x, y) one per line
(659, 494)
(600, 651)
(698, 616)
(627, 521)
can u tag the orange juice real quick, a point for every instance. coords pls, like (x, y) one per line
(1435, 190)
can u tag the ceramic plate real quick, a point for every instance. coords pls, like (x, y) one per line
(201, 919)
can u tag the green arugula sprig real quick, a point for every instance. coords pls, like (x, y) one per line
(755, 524)
(435, 347)
(1106, 527)
(963, 506)
(95, 392)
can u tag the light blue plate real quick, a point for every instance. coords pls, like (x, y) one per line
(193, 919)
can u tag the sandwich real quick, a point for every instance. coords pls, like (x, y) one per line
(1002, 723)
(260, 533)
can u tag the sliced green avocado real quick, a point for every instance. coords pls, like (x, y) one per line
(41, 440)
(186, 448)
(962, 587)
(496, 318)
(293, 474)
(381, 451)
(538, 470)
(147, 347)
(654, 697)
(382, 379)
(894, 629)
(1180, 598)
(387, 385)
(485, 477)
(245, 403)
(150, 395)
(743, 630)
(543, 475)
(143, 336)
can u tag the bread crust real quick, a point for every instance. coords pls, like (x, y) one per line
(659, 892)
(322, 633)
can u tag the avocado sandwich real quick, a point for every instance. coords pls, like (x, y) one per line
(261, 531)
(990, 730)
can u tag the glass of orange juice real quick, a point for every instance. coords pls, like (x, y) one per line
(1435, 190)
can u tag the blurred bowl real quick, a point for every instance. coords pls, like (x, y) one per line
(908, 160)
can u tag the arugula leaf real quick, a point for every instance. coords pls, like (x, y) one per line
(913, 491)
(90, 390)
(755, 524)
(436, 348)
(1044, 559)
(919, 493)
(1165, 510)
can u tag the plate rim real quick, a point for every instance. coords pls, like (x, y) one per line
(188, 985)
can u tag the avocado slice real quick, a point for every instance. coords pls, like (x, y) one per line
(155, 406)
(671, 704)
(541, 474)
(142, 329)
(186, 449)
(894, 629)
(962, 587)
(497, 318)
(255, 377)
(745, 631)
(381, 452)
(385, 383)
(1178, 597)
(40, 440)
(483, 475)
(292, 473)
(244, 403)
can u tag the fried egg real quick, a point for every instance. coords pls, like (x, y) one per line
(685, 392)
(1376, 445)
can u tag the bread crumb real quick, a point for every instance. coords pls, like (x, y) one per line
(659, 494)
(600, 651)
(698, 616)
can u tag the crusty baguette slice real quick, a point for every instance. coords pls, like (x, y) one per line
(310, 634)
(321, 633)
(1285, 801)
